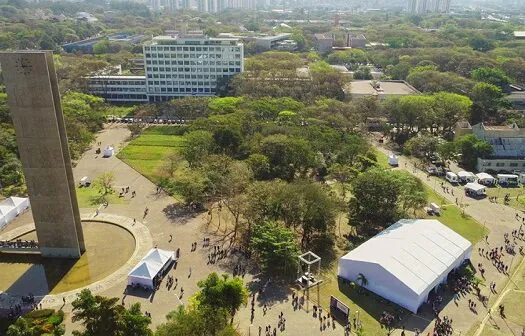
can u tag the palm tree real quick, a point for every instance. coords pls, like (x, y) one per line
(20, 328)
(362, 280)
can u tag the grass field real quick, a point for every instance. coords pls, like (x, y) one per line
(146, 153)
(453, 217)
(519, 192)
(89, 197)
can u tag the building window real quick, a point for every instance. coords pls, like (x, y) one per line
(500, 164)
(513, 164)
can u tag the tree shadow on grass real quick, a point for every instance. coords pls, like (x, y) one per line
(324, 247)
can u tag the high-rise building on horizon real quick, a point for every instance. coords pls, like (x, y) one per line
(428, 6)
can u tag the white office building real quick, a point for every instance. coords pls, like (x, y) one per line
(508, 143)
(176, 65)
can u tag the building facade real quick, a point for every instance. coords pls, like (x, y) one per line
(508, 143)
(175, 66)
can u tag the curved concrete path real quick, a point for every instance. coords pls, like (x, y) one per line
(143, 243)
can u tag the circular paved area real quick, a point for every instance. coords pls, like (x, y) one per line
(143, 243)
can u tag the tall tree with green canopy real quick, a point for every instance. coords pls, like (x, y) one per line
(487, 99)
(21, 327)
(275, 247)
(470, 148)
(198, 145)
(104, 316)
(220, 292)
(201, 321)
(491, 75)
(449, 108)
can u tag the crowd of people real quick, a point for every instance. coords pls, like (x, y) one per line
(19, 243)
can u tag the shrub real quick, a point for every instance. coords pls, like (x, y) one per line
(55, 319)
(39, 313)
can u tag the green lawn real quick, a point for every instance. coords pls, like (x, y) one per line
(453, 217)
(382, 159)
(89, 197)
(146, 153)
(519, 192)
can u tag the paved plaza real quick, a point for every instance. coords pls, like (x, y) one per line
(161, 224)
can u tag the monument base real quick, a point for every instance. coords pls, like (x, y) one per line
(50, 252)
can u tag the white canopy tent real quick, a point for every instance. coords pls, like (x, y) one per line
(475, 188)
(485, 178)
(10, 208)
(153, 264)
(406, 261)
(466, 176)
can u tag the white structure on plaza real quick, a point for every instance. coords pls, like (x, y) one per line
(12, 207)
(176, 65)
(153, 265)
(405, 262)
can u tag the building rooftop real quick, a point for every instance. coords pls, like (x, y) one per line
(519, 34)
(364, 87)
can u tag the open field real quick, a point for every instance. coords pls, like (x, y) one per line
(89, 197)
(146, 153)
(517, 196)
(453, 217)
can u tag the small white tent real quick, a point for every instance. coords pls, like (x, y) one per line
(474, 189)
(20, 203)
(7, 214)
(406, 261)
(485, 178)
(154, 263)
(465, 176)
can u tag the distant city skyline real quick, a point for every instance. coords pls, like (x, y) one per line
(428, 6)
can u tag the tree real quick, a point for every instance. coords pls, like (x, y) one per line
(480, 43)
(379, 196)
(105, 182)
(487, 99)
(21, 327)
(342, 174)
(170, 164)
(363, 72)
(101, 47)
(449, 108)
(135, 129)
(227, 140)
(201, 321)
(104, 316)
(362, 280)
(470, 148)
(275, 246)
(491, 75)
(222, 292)
(422, 146)
(197, 145)
(260, 166)
(287, 156)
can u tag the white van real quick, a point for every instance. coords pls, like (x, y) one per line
(85, 182)
(507, 179)
(451, 177)
(393, 160)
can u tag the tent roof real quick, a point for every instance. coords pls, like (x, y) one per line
(416, 251)
(474, 186)
(151, 264)
(144, 270)
(158, 256)
(484, 176)
(6, 208)
(465, 174)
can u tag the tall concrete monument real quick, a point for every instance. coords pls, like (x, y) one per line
(34, 102)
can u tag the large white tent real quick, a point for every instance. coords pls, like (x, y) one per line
(10, 208)
(153, 264)
(406, 261)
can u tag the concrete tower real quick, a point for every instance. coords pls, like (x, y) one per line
(34, 102)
